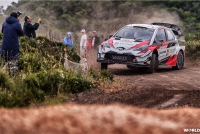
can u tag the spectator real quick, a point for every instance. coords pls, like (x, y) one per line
(83, 42)
(95, 41)
(89, 43)
(68, 40)
(11, 30)
(29, 29)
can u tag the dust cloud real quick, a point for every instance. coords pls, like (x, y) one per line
(107, 23)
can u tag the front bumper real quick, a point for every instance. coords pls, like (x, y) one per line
(115, 58)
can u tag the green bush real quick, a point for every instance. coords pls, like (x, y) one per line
(102, 74)
(5, 82)
(193, 49)
(41, 74)
(106, 75)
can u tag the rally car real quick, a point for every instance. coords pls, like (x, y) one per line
(144, 45)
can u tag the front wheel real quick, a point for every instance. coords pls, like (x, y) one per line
(104, 66)
(152, 64)
(179, 62)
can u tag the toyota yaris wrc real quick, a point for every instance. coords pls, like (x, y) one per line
(144, 45)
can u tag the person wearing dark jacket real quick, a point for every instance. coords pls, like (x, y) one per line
(11, 30)
(29, 29)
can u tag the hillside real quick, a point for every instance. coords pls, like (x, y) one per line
(105, 17)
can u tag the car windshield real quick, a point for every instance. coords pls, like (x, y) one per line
(136, 32)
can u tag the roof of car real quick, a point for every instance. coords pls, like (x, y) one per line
(144, 25)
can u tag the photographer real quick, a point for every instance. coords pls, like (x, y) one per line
(11, 30)
(29, 29)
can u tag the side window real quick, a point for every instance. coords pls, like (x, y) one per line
(170, 35)
(161, 35)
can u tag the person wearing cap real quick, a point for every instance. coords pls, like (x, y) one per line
(11, 30)
(29, 29)
(83, 43)
(95, 41)
(68, 39)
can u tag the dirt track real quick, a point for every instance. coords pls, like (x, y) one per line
(166, 88)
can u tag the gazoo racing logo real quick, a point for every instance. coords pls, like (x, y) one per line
(120, 48)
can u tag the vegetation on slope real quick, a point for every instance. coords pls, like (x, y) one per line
(42, 75)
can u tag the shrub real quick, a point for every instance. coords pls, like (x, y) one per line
(5, 82)
(106, 75)
(42, 74)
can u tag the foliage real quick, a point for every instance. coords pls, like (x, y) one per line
(75, 15)
(5, 82)
(107, 75)
(193, 49)
(41, 74)
(101, 75)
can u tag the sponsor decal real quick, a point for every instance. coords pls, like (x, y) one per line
(116, 43)
(170, 51)
(126, 40)
(173, 50)
(162, 52)
(163, 56)
(167, 50)
(120, 48)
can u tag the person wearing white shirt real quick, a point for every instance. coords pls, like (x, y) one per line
(83, 45)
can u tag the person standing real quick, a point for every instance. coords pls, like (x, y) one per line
(29, 29)
(68, 40)
(95, 41)
(11, 30)
(83, 43)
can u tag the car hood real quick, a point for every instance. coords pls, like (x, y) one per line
(126, 44)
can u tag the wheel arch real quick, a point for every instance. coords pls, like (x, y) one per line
(155, 51)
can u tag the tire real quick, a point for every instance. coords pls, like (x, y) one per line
(104, 66)
(152, 64)
(156, 63)
(179, 62)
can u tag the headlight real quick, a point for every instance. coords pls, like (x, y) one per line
(141, 48)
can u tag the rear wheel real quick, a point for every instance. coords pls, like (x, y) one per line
(104, 66)
(179, 62)
(152, 64)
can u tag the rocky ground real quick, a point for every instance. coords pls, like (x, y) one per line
(164, 89)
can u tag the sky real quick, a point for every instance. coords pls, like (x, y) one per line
(5, 3)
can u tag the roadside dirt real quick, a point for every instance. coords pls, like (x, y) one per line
(164, 89)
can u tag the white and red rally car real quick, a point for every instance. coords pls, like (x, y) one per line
(144, 45)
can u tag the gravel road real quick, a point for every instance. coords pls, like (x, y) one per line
(164, 89)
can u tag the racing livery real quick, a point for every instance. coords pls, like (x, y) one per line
(144, 45)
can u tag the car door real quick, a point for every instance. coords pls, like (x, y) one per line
(161, 39)
(171, 47)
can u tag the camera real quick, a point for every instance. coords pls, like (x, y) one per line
(19, 13)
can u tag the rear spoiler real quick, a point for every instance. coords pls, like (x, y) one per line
(176, 30)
